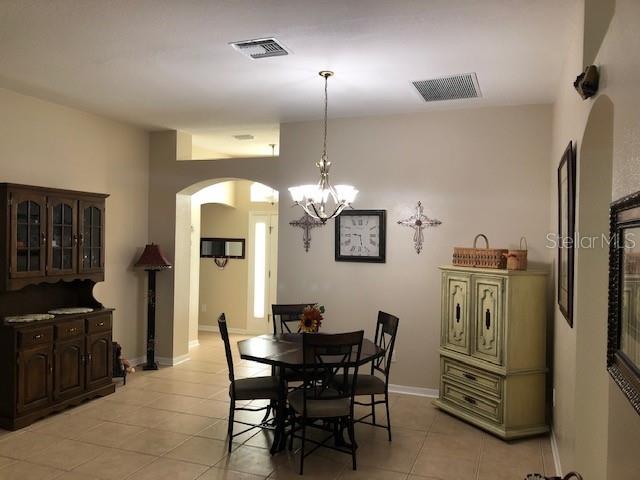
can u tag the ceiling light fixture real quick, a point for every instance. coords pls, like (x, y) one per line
(315, 200)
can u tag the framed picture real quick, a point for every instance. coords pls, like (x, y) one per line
(566, 230)
(623, 339)
(361, 236)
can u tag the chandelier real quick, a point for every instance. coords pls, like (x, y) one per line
(322, 201)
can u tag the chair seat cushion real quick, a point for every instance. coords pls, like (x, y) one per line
(257, 388)
(320, 408)
(366, 384)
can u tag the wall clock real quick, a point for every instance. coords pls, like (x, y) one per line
(361, 236)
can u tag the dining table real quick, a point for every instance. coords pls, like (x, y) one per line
(284, 351)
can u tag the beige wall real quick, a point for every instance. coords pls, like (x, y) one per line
(225, 290)
(50, 145)
(481, 170)
(596, 428)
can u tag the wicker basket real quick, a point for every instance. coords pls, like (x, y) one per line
(480, 257)
(517, 259)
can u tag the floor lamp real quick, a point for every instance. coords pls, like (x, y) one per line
(152, 260)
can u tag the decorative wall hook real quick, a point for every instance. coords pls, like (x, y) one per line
(307, 223)
(419, 221)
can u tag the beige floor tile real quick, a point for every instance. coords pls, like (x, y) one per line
(445, 423)
(76, 476)
(205, 451)
(28, 471)
(249, 460)
(399, 455)
(105, 410)
(169, 469)
(371, 473)
(218, 431)
(68, 426)
(66, 454)
(115, 464)
(502, 471)
(315, 468)
(522, 453)
(135, 397)
(25, 444)
(110, 434)
(4, 461)
(154, 442)
(410, 412)
(547, 457)
(461, 446)
(143, 417)
(445, 467)
(219, 474)
(185, 423)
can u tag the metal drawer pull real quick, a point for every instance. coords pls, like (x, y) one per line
(37, 337)
(457, 312)
(101, 324)
(487, 319)
(469, 376)
(71, 330)
(469, 400)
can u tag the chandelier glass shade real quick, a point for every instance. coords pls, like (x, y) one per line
(323, 201)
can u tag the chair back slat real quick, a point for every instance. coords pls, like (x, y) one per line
(325, 357)
(286, 314)
(385, 339)
(224, 333)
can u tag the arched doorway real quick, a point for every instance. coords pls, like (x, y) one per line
(244, 287)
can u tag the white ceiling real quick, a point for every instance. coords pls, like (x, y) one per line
(167, 63)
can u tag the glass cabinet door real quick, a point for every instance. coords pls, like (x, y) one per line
(28, 234)
(63, 236)
(91, 236)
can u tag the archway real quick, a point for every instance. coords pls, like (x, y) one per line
(594, 181)
(228, 207)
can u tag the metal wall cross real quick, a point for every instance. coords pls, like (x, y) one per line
(306, 223)
(419, 221)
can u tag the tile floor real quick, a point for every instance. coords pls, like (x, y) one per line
(170, 424)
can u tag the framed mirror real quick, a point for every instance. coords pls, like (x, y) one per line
(222, 248)
(623, 352)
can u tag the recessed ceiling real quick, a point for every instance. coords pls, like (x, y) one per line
(169, 64)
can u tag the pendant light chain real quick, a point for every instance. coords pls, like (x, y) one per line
(326, 109)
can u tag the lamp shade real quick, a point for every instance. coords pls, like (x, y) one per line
(152, 259)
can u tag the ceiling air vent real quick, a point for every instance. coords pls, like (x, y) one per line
(260, 48)
(453, 87)
(244, 136)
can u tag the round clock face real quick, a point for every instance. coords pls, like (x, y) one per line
(360, 236)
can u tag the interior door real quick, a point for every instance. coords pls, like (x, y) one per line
(28, 234)
(262, 256)
(62, 257)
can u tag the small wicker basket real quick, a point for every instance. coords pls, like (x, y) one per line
(480, 257)
(517, 259)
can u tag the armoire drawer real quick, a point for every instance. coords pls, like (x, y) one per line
(471, 376)
(471, 401)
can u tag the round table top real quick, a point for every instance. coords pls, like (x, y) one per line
(285, 350)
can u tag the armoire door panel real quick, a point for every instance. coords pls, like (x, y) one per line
(456, 315)
(488, 319)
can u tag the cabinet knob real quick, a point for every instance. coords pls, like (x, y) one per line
(101, 324)
(37, 337)
(44, 238)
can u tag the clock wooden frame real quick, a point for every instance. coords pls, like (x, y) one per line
(382, 234)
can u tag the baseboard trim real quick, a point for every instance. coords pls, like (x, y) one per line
(556, 453)
(193, 344)
(240, 331)
(173, 361)
(416, 391)
(137, 361)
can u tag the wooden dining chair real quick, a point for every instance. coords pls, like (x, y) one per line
(255, 388)
(323, 403)
(285, 315)
(372, 384)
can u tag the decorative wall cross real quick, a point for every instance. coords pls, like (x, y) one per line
(306, 223)
(419, 221)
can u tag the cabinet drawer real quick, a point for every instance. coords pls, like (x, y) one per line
(69, 329)
(471, 376)
(472, 401)
(35, 336)
(99, 324)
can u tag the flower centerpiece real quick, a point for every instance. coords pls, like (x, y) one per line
(311, 318)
